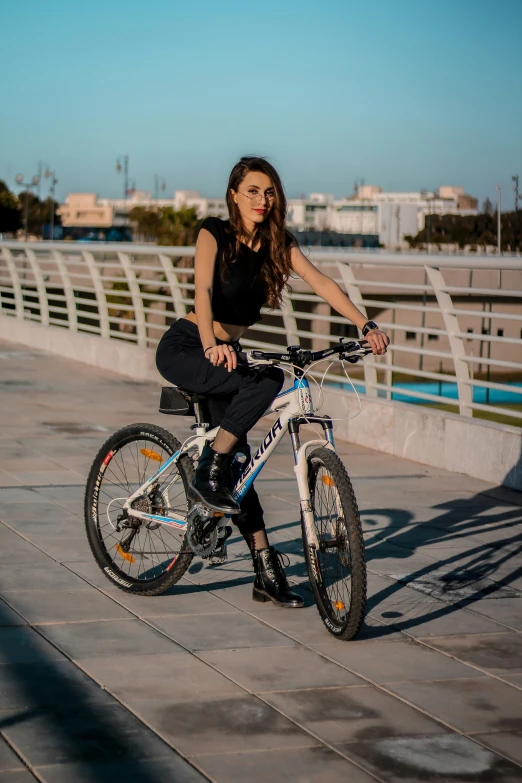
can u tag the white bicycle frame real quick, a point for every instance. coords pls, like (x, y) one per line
(294, 403)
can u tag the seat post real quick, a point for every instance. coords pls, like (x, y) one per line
(197, 412)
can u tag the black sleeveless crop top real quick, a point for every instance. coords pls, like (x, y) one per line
(238, 298)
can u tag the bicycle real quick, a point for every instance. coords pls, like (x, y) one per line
(143, 530)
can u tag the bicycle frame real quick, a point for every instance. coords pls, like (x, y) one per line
(292, 405)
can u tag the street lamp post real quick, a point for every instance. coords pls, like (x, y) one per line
(35, 181)
(159, 183)
(517, 196)
(54, 182)
(499, 228)
(122, 164)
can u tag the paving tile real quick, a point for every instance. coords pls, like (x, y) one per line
(108, 638)
(448, 757)
(183, 598)
(350, 714)
(9, 617)
(63, 524)
(418, 615)
(25, 645)
(47, 684)
(221, 725)
(504, 610)
(514, 679)
(497, 653)
(8, 759)
(14, 550)
(51, 577)
(306, 626)
(173, 769)
(8, 481)
(63, 548)
(279, 668)
(219, 632)
(58, 476)
(57, 606)
(18, 776)
(239, 594)
(162, 676)
(45, 510)
(508, 743)
(302, 765)
(388, 661)
(471, 705)
(18, 495)
(104, 733)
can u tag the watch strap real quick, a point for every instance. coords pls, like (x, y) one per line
(368, 326)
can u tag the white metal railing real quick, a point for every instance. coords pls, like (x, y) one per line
(451, 319)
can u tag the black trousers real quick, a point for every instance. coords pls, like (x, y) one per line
(235, 400)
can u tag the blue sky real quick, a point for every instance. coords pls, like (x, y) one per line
(405, 93)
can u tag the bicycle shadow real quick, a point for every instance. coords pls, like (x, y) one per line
(477, 570)
(492, 518)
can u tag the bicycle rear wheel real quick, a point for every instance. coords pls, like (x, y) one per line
(334, 546)
(144, 558)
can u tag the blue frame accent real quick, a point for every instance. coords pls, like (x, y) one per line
(299, 383)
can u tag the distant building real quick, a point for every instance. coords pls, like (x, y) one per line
(370, 216)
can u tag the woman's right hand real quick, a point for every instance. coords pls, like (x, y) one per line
(222, 354)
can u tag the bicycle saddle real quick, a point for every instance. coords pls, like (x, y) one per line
(178, 402)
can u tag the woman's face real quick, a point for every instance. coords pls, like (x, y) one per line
(254, 197)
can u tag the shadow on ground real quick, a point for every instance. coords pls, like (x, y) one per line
(53, 714)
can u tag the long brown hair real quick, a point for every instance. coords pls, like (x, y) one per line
(273, 237)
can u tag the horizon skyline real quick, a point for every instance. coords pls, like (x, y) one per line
(304, 194)
(399, 94)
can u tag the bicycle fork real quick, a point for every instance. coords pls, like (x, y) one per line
(301, 474)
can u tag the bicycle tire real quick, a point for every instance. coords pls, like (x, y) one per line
(340, 557)
(116, 563)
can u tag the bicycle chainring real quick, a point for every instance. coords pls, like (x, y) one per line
(202, 544)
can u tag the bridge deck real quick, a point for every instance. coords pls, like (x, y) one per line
(202, 683)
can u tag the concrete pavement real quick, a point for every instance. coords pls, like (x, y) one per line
(202, 683)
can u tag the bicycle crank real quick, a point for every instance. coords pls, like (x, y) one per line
(204, 535)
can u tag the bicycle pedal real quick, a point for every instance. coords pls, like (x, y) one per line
(219, 556)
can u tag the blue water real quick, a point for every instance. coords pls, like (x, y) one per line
(448, 390)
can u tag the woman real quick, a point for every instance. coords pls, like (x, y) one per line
(242, 264)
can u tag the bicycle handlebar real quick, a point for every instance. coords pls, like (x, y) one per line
(352, 351)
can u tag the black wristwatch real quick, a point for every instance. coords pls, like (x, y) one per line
(368, 326)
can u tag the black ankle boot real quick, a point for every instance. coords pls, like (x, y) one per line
(271, 583)
(210, 482)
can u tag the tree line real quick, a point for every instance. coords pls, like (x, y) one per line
(473, 231)
(165, 225)
(12, 211)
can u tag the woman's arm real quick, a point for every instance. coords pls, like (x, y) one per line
(204, 263)
(328, 290)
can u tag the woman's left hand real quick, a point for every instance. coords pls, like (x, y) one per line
(378, 341)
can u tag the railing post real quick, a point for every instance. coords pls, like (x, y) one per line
(101, 300)
(67, 288)
(137, 301)
(354, 292)
(289, 322)
(172, 279)
(451, 323)
(40, 285)
(15, 279)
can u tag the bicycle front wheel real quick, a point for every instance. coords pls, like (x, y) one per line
(334, 546)
(138, 557)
